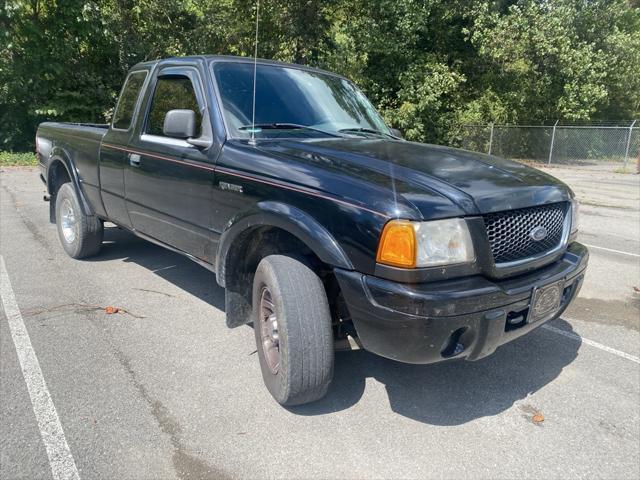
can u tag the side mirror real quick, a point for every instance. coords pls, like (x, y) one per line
(396, 133)
(180, 124)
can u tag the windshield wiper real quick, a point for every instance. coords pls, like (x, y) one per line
(367, 130)
(286, 126)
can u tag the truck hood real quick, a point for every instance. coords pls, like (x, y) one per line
(474, 182)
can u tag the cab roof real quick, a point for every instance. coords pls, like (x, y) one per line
(228, 59)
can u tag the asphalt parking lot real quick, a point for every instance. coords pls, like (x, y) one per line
(165, 390)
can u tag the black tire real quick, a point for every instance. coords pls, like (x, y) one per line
(305, 338)
(87, 232)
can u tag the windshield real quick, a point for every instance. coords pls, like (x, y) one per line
(291, 102)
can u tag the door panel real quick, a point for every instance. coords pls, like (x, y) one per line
(169, 195)
(112, 159)
(113, 155)
(169, 187)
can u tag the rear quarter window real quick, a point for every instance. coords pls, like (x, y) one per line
(128, 99)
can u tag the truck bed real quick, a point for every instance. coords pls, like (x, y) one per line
(69, 128)
(80, 140)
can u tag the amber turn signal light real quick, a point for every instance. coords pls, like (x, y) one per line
(398, 244)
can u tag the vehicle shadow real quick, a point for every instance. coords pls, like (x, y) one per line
(185, 274)
(450, 393)
(455, 392)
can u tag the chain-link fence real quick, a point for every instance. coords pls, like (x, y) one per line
(614, 147)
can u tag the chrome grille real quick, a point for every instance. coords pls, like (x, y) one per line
(510, 232)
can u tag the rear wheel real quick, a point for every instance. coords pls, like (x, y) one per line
(292, 325)
(80, 234)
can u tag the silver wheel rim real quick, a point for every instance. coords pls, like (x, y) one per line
(68, 221)
(269, 331)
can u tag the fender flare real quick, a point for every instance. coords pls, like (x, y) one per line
(60, 155)
(288, 218)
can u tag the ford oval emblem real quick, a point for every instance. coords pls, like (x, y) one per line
(538, 234)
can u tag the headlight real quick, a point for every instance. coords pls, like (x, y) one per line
(575, 215)
(425, 244)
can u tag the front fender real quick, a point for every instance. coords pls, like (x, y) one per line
(288, 218)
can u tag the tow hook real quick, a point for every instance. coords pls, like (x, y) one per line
(46, 198)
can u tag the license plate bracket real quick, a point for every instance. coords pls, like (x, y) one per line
(545, 301)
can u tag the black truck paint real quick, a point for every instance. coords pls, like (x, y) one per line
(333, 195)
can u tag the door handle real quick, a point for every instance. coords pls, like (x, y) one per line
(134, 159)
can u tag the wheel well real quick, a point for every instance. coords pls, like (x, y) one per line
(58, 175)
(242, 261)
(256, 243)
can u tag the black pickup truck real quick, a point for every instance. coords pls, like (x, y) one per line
(319, 221)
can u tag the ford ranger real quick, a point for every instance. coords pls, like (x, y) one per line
(320, 222)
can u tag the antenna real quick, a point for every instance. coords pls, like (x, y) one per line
(252, 141)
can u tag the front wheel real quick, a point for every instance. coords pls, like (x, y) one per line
(292, 325)
(80, 234)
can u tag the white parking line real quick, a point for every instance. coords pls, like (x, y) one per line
(578, 338)
(63, 467)
(611, 250)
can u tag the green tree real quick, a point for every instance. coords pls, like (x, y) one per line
(429, 65)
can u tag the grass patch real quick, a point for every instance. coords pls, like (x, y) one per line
(10, 159)
(624, 170)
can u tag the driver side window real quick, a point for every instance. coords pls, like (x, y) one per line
(171, 93)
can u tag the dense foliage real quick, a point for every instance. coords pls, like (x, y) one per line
(429, 65)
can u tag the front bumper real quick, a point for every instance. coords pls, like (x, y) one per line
(462, 318)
